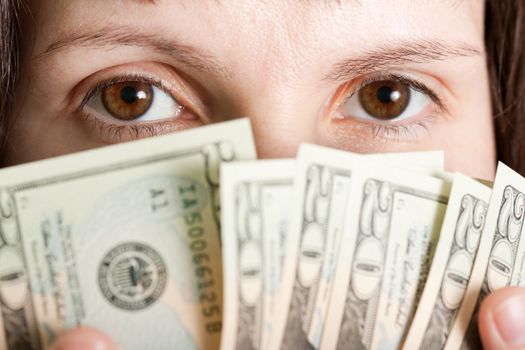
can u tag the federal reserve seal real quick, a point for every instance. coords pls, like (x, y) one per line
(132, 276)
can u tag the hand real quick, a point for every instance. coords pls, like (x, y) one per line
(502, 320)
(83, 339)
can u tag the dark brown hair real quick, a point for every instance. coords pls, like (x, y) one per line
(505, 45)
(9, 54)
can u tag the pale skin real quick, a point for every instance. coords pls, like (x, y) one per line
(297, 69)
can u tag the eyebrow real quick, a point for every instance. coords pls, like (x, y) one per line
(419, 51)
(111, 36)
(383, 57)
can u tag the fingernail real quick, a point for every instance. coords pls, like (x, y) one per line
(78, 341)
(510, 320)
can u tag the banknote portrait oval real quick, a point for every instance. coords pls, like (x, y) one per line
(456, 279)
(367, 270)
(132, 276)
(13, 279)
(251, 273)
(500, 265)
(311, 255)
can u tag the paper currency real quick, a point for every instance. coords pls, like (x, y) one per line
(394, 224)
(451, 266)
(124, 239)
(317, 224)
(500, 258)
(255, 202)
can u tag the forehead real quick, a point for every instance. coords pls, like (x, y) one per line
(259, 7)
(250, 36)
(360, 18)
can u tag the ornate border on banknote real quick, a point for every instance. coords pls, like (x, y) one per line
(362, 300)
(500, 264)
(313, 245)
(467, 234)
(16, 307)
(250, 250)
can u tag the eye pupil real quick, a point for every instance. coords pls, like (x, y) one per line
(386, 99)
(385, 94)
(130, 95)
(127, 101)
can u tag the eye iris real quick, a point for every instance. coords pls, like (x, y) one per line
(127, 100)
(385, 99)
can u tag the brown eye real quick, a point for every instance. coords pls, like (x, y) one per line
(385, 99)
(127, 100)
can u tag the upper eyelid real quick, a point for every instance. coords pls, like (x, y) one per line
(97, 89)
(403, 78)
(178, 89)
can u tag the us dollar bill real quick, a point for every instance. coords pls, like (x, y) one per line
(255, 205)
(317, 226)
(500, 258)
(394, 224)
(451, 266)
(125, 239)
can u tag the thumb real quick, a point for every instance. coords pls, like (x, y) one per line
(502, 319)
(83, 339)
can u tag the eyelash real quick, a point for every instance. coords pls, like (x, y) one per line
(395, 131)
(119, 131)
(387, 131)
(98, 88)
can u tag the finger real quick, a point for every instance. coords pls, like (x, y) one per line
(502, 319)
(83, 339)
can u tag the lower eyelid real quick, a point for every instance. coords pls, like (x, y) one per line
(359, 131)
(114, 133)
(399, 133)
(350, 89)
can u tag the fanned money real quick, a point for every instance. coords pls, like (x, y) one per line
(395, 220)
(124, 239)
(317, 227)
(500, 259)
(255, 202)
(333, 250)
(451, 266)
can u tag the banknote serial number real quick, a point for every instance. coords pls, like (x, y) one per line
(206, 284)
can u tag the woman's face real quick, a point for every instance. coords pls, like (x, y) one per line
(363, 76)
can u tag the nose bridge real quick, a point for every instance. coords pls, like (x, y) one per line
(279, 125)
(282, 116)
(270, 88)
